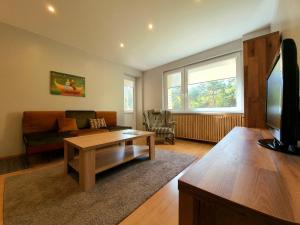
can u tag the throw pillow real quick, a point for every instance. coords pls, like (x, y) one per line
(67, 124)
(97, 123)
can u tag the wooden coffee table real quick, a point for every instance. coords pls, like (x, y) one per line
(99, 152)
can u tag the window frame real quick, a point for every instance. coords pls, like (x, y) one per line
(165, 77)
(134, 96)
(184, 80)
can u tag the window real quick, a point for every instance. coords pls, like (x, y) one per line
(174, 90)
(214, 85)
(128, 95)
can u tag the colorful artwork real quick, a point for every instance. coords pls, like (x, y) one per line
(66, 84)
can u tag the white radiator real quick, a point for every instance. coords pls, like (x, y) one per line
(206, 127)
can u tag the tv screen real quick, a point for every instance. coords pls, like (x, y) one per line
(282, 111)
(274, 98)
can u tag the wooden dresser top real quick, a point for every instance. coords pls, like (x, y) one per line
(242, 173)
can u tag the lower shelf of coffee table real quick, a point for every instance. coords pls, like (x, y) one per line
(109, 157)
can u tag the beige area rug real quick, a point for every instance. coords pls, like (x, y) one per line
(46, 197)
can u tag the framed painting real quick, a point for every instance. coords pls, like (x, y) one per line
(66, 84)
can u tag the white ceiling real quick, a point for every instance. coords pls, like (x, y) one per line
(181, 27)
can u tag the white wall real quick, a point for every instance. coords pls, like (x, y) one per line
(153, 86)
(25, 62)
(287, 20)
(139, 103)
(257, 33)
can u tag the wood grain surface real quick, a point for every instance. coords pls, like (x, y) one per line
(100, 140)
(259, 54)
(238, 180)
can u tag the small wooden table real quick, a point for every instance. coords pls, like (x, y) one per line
(99, 152)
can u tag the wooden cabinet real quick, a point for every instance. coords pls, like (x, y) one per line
(241, 183)
(259, 54)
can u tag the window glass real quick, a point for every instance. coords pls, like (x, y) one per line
(213, 85)
(174, 91)
(128, 95)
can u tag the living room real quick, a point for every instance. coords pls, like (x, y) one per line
(130, 78)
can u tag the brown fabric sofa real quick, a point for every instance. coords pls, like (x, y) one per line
(40, 128)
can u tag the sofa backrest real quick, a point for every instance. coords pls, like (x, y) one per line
(46, 121)
(154, 118)
(109, 116)
(41, 121)
(82, 117)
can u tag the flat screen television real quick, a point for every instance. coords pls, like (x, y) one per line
(282, 111)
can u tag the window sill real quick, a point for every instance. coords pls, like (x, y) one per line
(207, 112)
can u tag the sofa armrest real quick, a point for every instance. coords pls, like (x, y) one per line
(147, 126)
(172, 125)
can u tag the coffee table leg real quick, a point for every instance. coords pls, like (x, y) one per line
(151, 142)
(68, 156)
(87, 169)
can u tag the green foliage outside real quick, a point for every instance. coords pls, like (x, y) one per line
(211, 94)
(174, 98)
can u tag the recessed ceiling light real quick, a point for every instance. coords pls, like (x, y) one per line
(51, 9)
(122, 45)
(150, 26)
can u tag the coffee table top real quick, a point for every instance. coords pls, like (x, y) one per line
(93, 141)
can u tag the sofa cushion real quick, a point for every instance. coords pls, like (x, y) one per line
(44, 138)
(82, 117)
(67, 124)
(82, 132)
(162, 130)
(30, 150)
(118, 128)
(97, 123)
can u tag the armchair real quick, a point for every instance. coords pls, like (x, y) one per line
(159, 122)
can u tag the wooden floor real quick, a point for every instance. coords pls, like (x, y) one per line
(160, 209)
